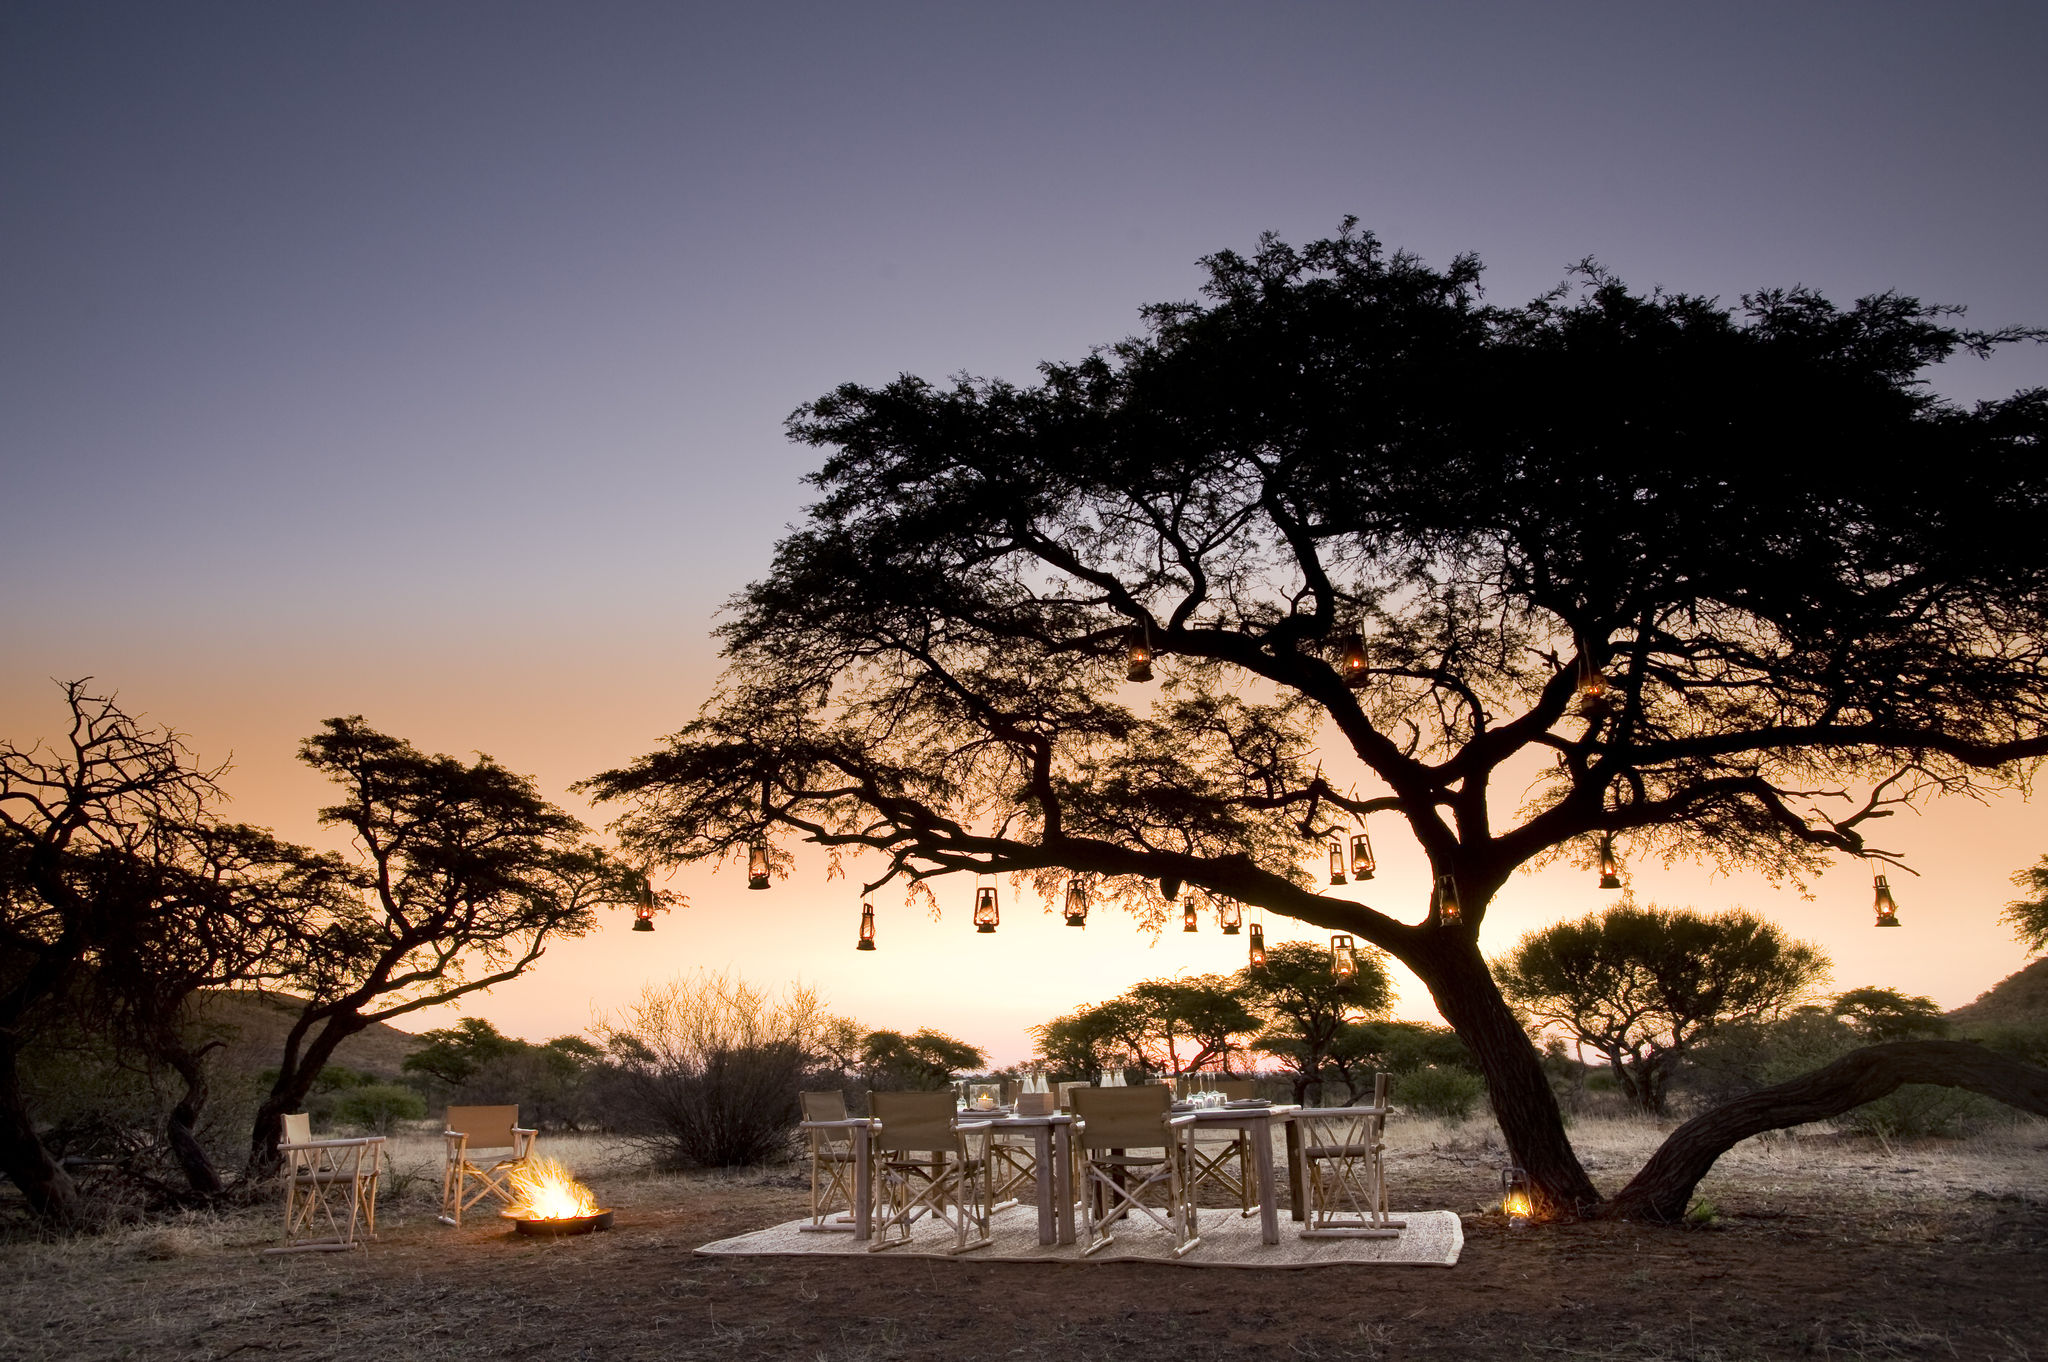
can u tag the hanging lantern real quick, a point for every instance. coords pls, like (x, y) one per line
(1077, 903)
(1343, 957)
(1448, 911)
(643, 910)
(1258, 954)
(1610, 866)
(1887, 911)
(757, 865)
(867, 926)
(985, 915)
(1336, 863)
(1361, 856)
(1230, 916)
(1594, 692)
(1138, 665)
(1351, 660)
(1515, 1201)
(1187, 916)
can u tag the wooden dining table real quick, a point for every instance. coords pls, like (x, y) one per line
(1052, 1150)
(1257, 1124)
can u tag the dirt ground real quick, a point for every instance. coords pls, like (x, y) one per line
(1820, 1247)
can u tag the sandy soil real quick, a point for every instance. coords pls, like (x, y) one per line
(1822, 1248)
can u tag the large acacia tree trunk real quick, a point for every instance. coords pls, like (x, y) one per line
(1663, 1189)
(181, 1127)
(1516, 1085)
(51, 1193)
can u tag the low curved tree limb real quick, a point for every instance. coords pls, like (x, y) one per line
(1664, 1187)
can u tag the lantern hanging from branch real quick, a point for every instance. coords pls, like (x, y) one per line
(1336, 863)
(643, 908)
(1351, 660)
(1258, 944)
(1610, 864)
(1077, 903)
(1229, 916)
(867, 926)
(1187, 916)
(985, 915)
(1361, 856)
(1448, 910)
(1594, 692)
(1343, 957)
(1138, 663)
(1887, 911)
(1515, 1201)
(757, 865)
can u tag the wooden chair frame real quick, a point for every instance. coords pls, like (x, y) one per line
(953, 1182)
(481, 1128)
(1344, 1170)
(829, 1131)
(329, 1185)
(1112, 1121)
(1214, 1162)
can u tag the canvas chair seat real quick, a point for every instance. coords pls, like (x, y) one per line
(1344, 1172)
(928, 1166)
(484, 1146)
(330, 1188)
(1110, 1123)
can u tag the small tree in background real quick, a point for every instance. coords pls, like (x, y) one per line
(2029, 916)
(924, 1059)
(1309, 1007)
(1642, 986)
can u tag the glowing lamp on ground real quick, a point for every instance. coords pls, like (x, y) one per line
(1077, 903)
(1515, 1201)
(1887, 911)
(1337, 863)
(985, 915)
(1138, 662)
(1258, 951)
(1449, 911)
(867, 926)
(1610, 865)
(1361, 857)
(1230, 916)
(757, 866)
(1343, 957)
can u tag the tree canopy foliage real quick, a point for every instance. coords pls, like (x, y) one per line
(2029, 915)
(1734, 575)
(1642, 986)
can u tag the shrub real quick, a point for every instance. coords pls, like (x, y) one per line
(1916, 1111)
(705, 1071)
(1449, 1094)
(379, 1106)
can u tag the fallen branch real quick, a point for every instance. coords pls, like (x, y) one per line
(1664, 1187)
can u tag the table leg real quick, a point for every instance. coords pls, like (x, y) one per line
(1297, 1196)
(1262, 1150)
(1063, 1181)
(863, 1186)
(1044, 1178)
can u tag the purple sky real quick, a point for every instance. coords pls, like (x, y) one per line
(430, 360)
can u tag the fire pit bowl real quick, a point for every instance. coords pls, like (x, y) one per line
(565, 1225)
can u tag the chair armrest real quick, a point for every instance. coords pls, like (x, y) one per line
(522, 1130)
(851, 1123)
(348, 1143)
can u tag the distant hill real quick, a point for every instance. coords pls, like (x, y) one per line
(256, 1024)
(2021, 997)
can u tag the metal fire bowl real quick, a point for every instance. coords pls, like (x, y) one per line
(556, 1229)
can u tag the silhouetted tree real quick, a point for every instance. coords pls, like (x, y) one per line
(1884, 1014)
(466, 874)
(1642, 986)
(922, 1059)
(1207, 1011)
(1736, 577)
(1310, 1008)
(2029, 916)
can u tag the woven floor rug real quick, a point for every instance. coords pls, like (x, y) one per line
(1432, 1239)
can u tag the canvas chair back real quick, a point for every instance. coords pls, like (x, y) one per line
(1066, 1091)
(1124, 1118)
(912, 1121)
(824, 1106)
(1236, 1089)
(487, 1127)
(298, 1129)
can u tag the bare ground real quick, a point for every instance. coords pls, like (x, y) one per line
(1822, 1247)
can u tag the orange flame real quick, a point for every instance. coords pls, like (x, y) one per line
(542, 1189)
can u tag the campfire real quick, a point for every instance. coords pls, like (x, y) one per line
(547, 1200)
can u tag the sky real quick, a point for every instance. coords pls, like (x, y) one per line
(429, 361)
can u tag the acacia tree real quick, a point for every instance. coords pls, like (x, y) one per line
(2029, 916)
(1734, 580)
(1642, 986)
(465, 876)
(1310, 1007)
